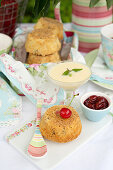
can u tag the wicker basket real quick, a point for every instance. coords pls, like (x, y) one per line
(10, 15)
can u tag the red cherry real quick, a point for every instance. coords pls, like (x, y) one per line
(91, 106)
(102, 103)
(93, 98)
(100, 106)
(65, 113)
(86, 102)
(102, 99)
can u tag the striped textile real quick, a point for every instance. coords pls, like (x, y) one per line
(87, 22)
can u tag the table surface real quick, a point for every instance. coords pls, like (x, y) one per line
(97, 154)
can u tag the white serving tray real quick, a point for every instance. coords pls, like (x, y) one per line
(57, 152)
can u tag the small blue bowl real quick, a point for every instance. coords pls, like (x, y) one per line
(95, 115)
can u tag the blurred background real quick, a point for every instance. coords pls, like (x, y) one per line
(66, 12)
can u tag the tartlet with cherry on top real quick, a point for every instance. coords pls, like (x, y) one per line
(60, 123)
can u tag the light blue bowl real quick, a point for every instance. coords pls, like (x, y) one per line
(95, 115)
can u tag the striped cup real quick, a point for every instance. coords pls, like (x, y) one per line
(87, 22)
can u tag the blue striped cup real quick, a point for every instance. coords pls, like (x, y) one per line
(107, 44)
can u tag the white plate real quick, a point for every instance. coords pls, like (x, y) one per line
(90, 58)
(57, 152)
(107, 86)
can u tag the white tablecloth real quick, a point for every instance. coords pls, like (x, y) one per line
(95, 155)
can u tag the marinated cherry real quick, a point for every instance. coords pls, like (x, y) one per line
(96, 102)
(86, 102)
(91, 106)
(101, 103)
(93, 99)
(102, 99)
(65, 113)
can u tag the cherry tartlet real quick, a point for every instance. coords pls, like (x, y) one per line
(96, 102)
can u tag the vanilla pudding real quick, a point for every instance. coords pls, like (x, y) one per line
(69, 75)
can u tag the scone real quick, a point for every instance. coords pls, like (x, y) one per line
(42, 42)
(53, 24)
(36, 59)
(54, 127)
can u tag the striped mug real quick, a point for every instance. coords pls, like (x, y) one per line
(87, 22)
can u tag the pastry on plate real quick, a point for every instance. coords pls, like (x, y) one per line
(42, 42)
(38, 59)
(53, 24)
(55, 128)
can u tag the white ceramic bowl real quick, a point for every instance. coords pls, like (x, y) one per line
(95, 115)
(5, 43)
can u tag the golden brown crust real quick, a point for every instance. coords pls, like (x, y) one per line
(42, 42)
(52, 24)
(34, 59)
(54, 127)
